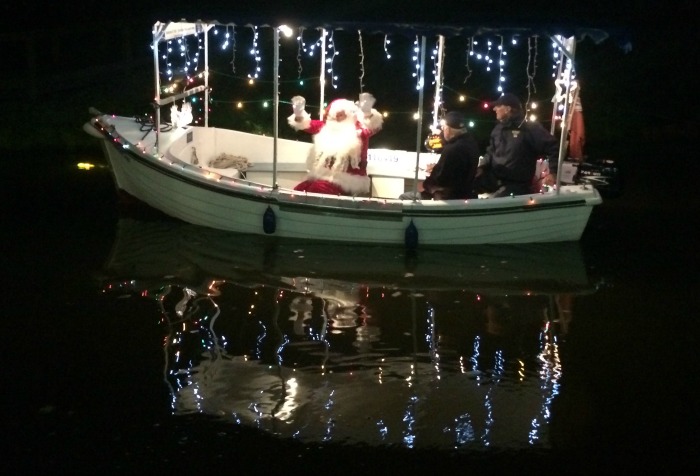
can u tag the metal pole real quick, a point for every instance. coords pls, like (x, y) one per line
(568, 48)
(156, 104)
(322, 80)
(276, 104)
(438, 80)
(206, 75)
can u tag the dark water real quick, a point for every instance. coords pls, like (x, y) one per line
(130, 344)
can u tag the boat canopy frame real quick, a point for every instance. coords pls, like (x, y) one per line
(564, 37)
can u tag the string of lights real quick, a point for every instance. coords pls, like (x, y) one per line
(387, 41)
(470, 53)
(181, 59)
(362, 62)
(255, 53)
(416, 63)
(331, 58)
(300, 47)
(501, 65)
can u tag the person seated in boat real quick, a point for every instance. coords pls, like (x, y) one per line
(452, 177)
(337, 163)
(515, 145)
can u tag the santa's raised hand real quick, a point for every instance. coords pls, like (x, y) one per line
(299, 106)
(366, 103)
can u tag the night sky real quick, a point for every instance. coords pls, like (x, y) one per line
(649, 89)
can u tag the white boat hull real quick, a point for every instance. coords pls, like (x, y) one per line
(165, 178)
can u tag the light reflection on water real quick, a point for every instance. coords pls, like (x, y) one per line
(446, 349)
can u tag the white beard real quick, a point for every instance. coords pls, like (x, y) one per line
(337, 146)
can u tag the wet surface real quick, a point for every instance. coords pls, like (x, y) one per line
(90, 388)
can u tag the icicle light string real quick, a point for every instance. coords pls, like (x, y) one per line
(558, 72)
(185, 54)
(200, 48)
(233, 48)
(501, 65)
(330, 59)
(166, 60)
(362, 62)
(229, 39)
(300, 47)
(487, 57)
(556, 60)
(416, 62)
(226, 38)
(187, 65)
(312, 49)
(438, 57)
(435, 59)
(476, 51)
(182, 48)
(470, 53)
(255, 53)
(531, 68)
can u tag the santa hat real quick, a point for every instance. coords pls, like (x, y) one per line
(340, 105)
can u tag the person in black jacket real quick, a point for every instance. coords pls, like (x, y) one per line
(515, 145)
(452, 177)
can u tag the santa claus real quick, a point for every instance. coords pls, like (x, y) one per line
(337, 163)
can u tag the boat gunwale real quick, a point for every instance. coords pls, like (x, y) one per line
(302, 202)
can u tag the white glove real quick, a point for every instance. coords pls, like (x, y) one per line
(298, 105)
(366, 103)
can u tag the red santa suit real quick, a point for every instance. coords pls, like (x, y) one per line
(337, 163)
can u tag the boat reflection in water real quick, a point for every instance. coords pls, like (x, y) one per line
(356, 344)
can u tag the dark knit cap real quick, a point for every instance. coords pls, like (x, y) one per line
(455, 120)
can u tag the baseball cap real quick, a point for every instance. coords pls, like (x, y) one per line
(508, 99)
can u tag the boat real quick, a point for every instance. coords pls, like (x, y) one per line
(455, 349)
(175, 166)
